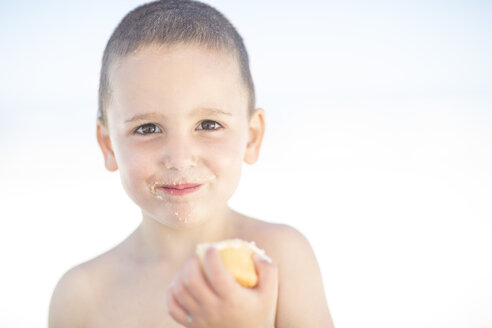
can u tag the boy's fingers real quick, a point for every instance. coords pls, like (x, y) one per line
(193, 279)
(183, 296)
(267, 275)
(217, 275)
(176, 310)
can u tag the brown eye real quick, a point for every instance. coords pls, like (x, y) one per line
(148, 129)
(209, 125)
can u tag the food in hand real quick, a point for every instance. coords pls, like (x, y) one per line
(237, 256)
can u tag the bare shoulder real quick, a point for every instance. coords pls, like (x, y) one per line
(70, 299)
(282, 242)
(302, 301)
(286, 245)
(277, 237)
(74, 293)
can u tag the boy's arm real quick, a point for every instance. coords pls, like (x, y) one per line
(69, 300)
(301, 297)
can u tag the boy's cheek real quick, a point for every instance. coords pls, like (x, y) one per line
(133, 155)
(134, 170)
(226, 159)
(228, 152)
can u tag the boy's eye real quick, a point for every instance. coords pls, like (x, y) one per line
(209, 125)
(148, 129)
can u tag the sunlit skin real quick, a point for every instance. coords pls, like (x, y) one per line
(179, 116)
(178, 120)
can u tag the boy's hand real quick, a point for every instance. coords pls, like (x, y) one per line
(210, 297)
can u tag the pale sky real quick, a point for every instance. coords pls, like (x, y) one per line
(378, 148)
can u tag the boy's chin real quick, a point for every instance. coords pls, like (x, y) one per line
(181, 218)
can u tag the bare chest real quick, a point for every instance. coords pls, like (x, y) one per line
(128, 301)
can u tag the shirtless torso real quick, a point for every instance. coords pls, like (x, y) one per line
(123, 289)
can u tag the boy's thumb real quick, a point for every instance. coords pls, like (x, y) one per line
(267, 273)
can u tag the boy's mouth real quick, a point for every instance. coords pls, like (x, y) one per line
(176, 189)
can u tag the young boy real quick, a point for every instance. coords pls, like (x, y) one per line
(177, 118)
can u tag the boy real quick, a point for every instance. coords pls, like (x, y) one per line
(177, 119)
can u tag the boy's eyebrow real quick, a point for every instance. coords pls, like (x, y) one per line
(145, 116)
(153, 115)
(209, 110)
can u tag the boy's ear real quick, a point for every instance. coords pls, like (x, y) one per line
(106, 147)
(256, 132)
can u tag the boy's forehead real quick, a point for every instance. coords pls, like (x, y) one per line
(185, 73)
(165, 54)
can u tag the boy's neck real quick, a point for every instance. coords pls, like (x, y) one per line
(155, 242)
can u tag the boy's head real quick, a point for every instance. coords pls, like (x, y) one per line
(177, 115)
(167, 23)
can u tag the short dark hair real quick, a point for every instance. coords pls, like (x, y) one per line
(171, 22)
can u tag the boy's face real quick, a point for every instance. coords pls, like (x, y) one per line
(178, 131)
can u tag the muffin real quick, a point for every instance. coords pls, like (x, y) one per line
(237, 256)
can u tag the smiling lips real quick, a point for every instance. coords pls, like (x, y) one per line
(180, 189)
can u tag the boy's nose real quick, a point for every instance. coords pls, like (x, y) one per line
(179, 153)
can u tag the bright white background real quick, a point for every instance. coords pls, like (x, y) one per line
(379, 149)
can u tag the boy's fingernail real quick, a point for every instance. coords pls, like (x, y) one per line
(264, 258)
